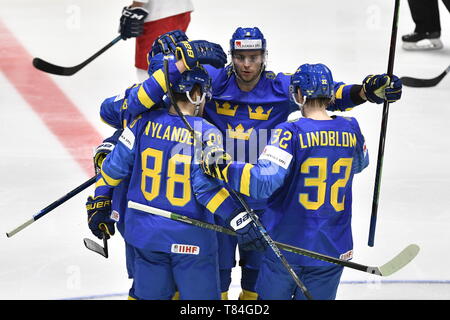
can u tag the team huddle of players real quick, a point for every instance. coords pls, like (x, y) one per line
(226, 128)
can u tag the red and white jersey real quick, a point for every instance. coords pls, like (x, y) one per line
(159, 9)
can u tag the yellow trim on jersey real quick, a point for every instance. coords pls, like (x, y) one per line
(144, 98)
(339, 92)
(245, 180)
(131, 298)
(217, 200)
(110, 181)
(100, 183)
(161, 79)
(224, 295)
(225, 172)
(248, 295)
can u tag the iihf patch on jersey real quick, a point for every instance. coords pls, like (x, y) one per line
(115, 215)
(249, 44)
(185, 249)
(127, 138)
(277, 156)
(347, 255)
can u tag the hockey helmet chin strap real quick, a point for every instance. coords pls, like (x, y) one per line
(298, 103)
(197, 101)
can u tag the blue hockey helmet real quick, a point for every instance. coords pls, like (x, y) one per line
(247, 39)
(196, 76)
(314, 81)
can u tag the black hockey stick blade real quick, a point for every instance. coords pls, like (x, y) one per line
(94, 246)
(424, 83)
(48, 67)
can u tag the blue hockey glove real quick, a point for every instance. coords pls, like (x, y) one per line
(379, 88)
(167, 42)
(99, 216)
(393, 93)
(132, 22)
(248, 235)
(104, 149)
(194, 53)
(214, 160)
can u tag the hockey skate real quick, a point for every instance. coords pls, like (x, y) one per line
(422, 41)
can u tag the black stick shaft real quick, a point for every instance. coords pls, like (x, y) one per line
(53, 205)
(384, 121)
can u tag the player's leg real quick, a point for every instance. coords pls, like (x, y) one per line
(153, 279)
(273, 282)
(152, 30)
(227, 258)
(322, 282)
(197, 276)
(426, 35)
(250, 262)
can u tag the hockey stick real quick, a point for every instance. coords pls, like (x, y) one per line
(52, 206)
(424, 83)
(94, 246)
(384, 120)
(390, 267)
(68, 71)
(249, 211)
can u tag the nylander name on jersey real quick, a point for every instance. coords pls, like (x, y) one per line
(159, 154)
(306, 171)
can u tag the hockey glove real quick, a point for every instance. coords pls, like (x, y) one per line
(132, 22)
(214, 160)
(393, 93)
(167, 43)
(248, 235)
(379, 88)
(99, 216)
(194, 53)
(104, 149)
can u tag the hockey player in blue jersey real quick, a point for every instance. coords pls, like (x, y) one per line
(306, 172)
(114, 112)
(158, 153)
(248, 102)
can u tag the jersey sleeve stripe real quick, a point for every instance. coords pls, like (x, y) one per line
(144, 99)
(339, 92)
(161, 79)
(110, 181)
(217, 200)
(245, 180)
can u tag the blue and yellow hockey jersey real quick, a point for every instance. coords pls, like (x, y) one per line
(306, 171)
(158, 153)
(247, 118)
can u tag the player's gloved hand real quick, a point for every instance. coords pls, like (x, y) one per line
(214, 160)
(248, 235)
(99, 216)
(393, 93)
(104, 149)
(379, 88)
(194, 53)
(167, 43)
(132, 22)
(100, 154)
